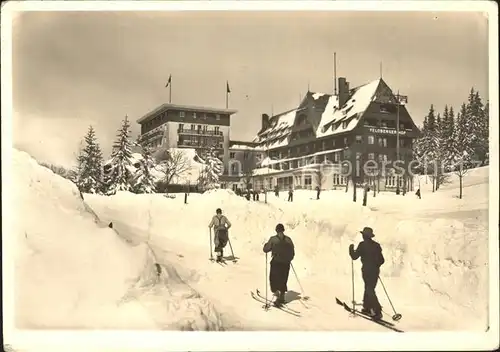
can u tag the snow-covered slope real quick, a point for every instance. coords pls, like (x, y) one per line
(436, 267)
(73, 271)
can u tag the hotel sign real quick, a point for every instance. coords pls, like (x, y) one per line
(386, 131)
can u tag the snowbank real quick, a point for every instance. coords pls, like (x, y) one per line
(72, 271)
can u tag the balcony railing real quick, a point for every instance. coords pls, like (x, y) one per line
(197, 145)
(201, 132)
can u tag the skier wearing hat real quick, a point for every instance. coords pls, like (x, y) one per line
(220, 224)
(371, 259)
(283, 252)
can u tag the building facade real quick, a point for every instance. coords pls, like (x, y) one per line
(244, 157)
(183, 126)
(330, 140)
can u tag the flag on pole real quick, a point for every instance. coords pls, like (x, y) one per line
(169, 81)
(227, 87)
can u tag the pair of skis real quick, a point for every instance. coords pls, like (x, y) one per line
(269, 303)
(222, 262)
(356, 312)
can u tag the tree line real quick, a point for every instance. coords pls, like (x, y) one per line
(154, 171)
(453, 143)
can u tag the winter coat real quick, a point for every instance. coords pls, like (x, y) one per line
(370, 253)
(283, 250)
(219, 222)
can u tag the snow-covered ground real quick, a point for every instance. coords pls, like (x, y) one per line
(436, 250)
(72, 271)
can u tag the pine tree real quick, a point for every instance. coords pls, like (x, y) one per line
(144, 181)
(462, 151)
(119, 174)
(486, 130)
(428, 145)
(89, 160)
(475, 126)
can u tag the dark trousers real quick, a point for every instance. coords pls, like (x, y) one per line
(278, 276)
(220, 240)
(370, 300)
(290, 197)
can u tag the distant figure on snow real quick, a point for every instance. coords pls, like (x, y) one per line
(318, 191)
(417, 193)
(220, 225)
(277, 191)
(371, 259)
(283, 252)
(290, 195)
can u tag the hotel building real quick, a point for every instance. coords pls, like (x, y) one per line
(308, 145)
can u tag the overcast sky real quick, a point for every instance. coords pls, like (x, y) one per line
(74, 69)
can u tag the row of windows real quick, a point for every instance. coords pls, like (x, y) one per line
(370, 122)
(203, 128)
(160, 119)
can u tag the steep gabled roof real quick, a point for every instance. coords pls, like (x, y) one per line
(350, 113)
(333, 119)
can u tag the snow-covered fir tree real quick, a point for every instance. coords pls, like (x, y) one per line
(144, 181)
(89, 169)
(119, 170)
(474, 126)
(212, 170)
(462, 152)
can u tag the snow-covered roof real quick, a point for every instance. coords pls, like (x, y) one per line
(343, 120)
(350, 112)
(246, 147)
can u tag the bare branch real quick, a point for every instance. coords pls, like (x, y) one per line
(172, 163)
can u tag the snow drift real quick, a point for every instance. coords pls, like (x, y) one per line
(436, 268)
(73, 271)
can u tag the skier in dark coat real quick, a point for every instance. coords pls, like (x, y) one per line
(276, 191)
(371, 259)
(221, 225)
(290, 195)
(283, 252)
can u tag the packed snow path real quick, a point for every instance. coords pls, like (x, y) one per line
(435, 270)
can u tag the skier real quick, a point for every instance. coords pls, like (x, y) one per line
(277, 191)
(371, 259)
(290, 194)
(221, 225)
(417, 193)
(283, 252)
(318, 191)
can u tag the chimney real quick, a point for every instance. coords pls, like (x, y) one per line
(343, 91)
(265, 121)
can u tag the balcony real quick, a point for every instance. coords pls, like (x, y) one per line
(201, 132)
(191, 144)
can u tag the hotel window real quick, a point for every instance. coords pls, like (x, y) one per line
(216, 130)
(359, 139)
(358, 156)
(382, 142)
(333, 143)
(181, 114)
(217, 116)
(181, 127)
(383, 124)
(232, 155)
(194, 115)
(205, 127)
(382, 157)
(344, 124)
(336, 157)
(307, 148)
(289, 151)
(345, 140)
(193, 127)
(371, 139)
(323, 145)
(371, 156)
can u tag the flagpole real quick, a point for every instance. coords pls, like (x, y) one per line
(227, 94)
(170, 92)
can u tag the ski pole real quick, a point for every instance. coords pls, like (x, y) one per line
(352, 279)
(301, 288)
(211, 255)
(267, 304)
(396, 316)
(231, 247)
